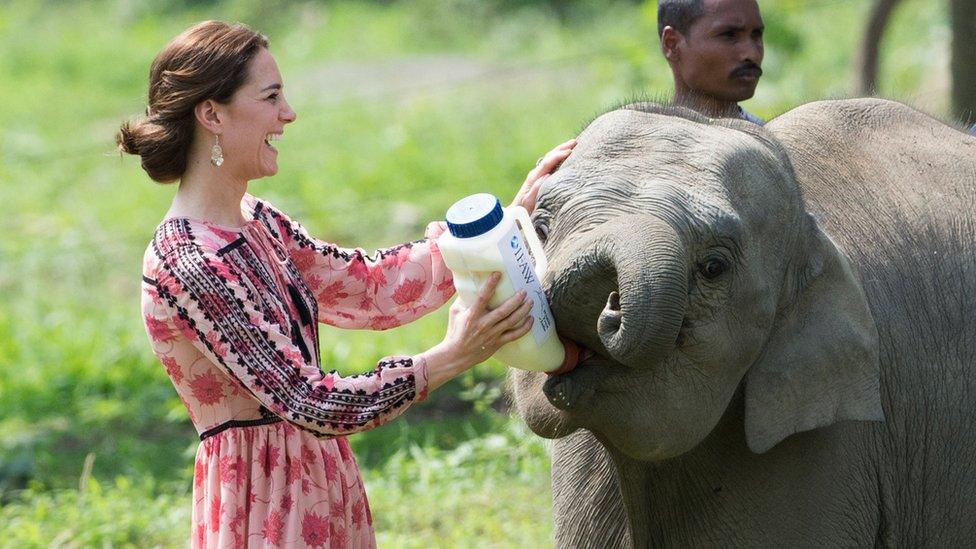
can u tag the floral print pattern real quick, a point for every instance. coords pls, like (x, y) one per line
(233, 317)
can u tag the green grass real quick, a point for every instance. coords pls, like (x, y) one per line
(374, 155)
(115, 512)
(421, 495)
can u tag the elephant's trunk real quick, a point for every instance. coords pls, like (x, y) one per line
(640, 322)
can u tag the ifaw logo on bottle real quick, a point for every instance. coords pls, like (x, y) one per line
(521, 270)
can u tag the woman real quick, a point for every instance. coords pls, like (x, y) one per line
(233, 291)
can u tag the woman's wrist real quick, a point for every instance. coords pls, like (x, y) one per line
(442, 365)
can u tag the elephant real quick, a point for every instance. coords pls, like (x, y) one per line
(779, 330)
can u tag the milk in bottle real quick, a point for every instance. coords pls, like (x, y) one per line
(482, 238)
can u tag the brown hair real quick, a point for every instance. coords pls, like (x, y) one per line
(207, 61)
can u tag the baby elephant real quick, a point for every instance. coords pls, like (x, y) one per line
(783, 329)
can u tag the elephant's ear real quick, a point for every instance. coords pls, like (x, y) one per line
(820, 364)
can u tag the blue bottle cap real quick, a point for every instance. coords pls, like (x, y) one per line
(474, 215)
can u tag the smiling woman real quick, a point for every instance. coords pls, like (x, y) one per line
(233, 291)
(207, 63)
(257, 117)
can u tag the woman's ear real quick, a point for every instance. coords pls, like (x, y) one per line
(210, 115)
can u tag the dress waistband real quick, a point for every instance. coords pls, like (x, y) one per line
(239, 423)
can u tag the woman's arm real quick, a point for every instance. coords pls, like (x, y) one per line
(204, 294)
(388, 288)
(204, 297)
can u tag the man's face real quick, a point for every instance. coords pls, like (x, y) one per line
(721, 54)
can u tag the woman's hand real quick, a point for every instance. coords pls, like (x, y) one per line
(526, 195)
(475, 333)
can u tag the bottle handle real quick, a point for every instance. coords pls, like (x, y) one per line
(523, 219)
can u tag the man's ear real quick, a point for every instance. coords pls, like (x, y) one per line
(669, 43)
(209, 114)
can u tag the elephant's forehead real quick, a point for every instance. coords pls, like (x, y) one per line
(652, 141)
(643, 151)
(637, 161)
(626, 131)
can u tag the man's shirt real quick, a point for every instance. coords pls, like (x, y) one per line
(749, 117)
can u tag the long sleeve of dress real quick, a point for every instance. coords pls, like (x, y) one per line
(215, 306)
(391, 287)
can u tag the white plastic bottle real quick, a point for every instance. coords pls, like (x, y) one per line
(483, 238)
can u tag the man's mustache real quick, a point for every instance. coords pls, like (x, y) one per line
(747, 68)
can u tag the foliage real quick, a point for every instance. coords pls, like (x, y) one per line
(108, 513)
(403, 107)
(492, 488)
(488, 486)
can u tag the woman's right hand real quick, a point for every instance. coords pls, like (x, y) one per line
(475, 333)
(544, 167)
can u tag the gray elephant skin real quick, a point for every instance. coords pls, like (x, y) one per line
(781, 321)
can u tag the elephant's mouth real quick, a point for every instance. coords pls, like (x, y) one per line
(555, 406)
(573, 391)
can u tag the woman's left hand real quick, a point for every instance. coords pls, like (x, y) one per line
(526, 195)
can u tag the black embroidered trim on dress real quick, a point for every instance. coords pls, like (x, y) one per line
(235, 244)
(239, 423)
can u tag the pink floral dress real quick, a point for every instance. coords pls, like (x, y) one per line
(233, 315)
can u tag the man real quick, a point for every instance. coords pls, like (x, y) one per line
(714, 49)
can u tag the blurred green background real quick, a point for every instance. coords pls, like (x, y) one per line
(403, 107)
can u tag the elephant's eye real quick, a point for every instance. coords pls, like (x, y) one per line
(713, 268)
(542, 231)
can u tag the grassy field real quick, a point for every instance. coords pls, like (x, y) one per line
(403, 107)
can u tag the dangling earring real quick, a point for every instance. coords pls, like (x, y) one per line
(216, 153)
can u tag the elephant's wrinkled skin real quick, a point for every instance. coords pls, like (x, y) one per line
(738, 328)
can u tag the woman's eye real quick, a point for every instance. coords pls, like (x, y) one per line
(713, 268)
(273, 97)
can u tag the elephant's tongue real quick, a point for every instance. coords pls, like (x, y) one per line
(570, 359)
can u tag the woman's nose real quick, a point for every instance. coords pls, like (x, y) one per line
(287, 115)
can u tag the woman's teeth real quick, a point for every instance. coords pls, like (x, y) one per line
(271, 137)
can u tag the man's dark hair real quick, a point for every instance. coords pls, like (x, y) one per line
(678, 14)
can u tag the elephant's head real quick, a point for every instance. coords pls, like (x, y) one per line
(681, 255)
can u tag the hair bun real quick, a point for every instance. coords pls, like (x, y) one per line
(126, 138)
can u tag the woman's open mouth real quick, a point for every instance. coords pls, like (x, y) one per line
(272, 137)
